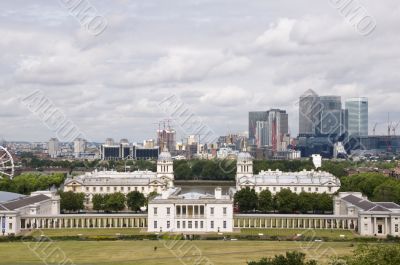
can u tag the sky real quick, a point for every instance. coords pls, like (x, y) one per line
(222, 58)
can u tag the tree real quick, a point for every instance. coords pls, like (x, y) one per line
(325, 202)
(70, 201)
(183, 171)
(388, 191)
(246, 199)
(304, 202)
(115, 202)
(375, 254)
(291, 258)
(98, 202)
(135, 200)
(286, 201)
(265, 201)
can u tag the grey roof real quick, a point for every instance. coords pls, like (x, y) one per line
(388, 205)
(244, 156)
(369, 206)
(165, 156)
(25, 201)
(8, 196)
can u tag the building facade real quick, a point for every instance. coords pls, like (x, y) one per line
(192, 212)
(106, 182)
(275, 181)
(357, 111)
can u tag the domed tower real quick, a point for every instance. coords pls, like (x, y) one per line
(244, 166)
(165, 168)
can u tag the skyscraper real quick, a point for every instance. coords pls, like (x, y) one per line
(166, 139)
(255, 116)
(278, 127)
(262, 132)
(79, 146)
(331, 117)
(357, 109)
(54, 147)
(309, 113)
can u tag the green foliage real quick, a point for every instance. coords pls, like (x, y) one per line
(291, 258)
(214, 169)
(135, 200)
(71, 201)
(182, 170)
(286, 201)
(374, 255)
(99, 202)
(29, 182)
(265, 201)
(246, 199)
(336, 168)
(283, 165)
(115, 202)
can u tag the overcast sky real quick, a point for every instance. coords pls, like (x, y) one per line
(222, 57)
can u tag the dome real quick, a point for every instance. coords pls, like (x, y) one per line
(164, 156)
(244, 156)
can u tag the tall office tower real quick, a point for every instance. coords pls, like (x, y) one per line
(79, 146)
(357, 111)
(148, 143)
(278, 128)
(261, 136)
(255, 116)
(125, 149)
(166, 139)
(309, 110)
(331, 117)
(54, 147)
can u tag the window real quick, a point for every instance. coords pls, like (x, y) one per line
(259, 189)
(330, 189)
(224, 224)
(295, 188)
(178, 224)
(212, 210)
(168, 210)
(10, 226)
(190, 224)
(316, 188)
(212, 224)
(101, 188)
(155, 210)
(168, 224)
(115, 188)
(183, 224)
(155, 224)
(302, 188)
(309, 188)
(201, 224)
(142, 188)
(196, 224)
(224, 210)
(121, 188)
(87, 188)
(108, 189)
(396, 228)
(94, 189)
(129, 188)
(274, 189)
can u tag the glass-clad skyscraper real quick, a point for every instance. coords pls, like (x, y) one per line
(357, 111)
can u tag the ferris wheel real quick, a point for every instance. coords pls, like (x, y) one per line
(6, 163)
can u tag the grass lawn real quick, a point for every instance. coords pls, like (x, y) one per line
(142, 252)
(314, 233)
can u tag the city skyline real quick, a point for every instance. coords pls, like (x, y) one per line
(245, 59)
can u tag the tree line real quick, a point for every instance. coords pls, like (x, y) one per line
(284, 201)
(113, 202)
(365, 254)
(29, 182)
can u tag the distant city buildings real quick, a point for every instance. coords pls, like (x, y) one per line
(357, 111)
(79, 147)
(54, 149)
(126, 150)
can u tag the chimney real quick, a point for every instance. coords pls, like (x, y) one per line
(218, 193)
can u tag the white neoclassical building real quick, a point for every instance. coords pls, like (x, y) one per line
(192, 212)
(105, 182)
(374, 218)
(38, 203)
(274, 181)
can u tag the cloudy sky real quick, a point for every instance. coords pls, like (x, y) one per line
(222, 58)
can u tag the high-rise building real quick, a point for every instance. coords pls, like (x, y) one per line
(166, 139)
(309, 113)
(278, 127)
(332, 119)
(54, 147)
(79, 146)
(262, 133)
(357, 111)
(255, 116)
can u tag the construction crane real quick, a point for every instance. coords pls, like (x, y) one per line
(394, 127)
(374, 128)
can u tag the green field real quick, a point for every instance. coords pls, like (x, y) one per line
(86, 232)
(142, 252)
(310, 233)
